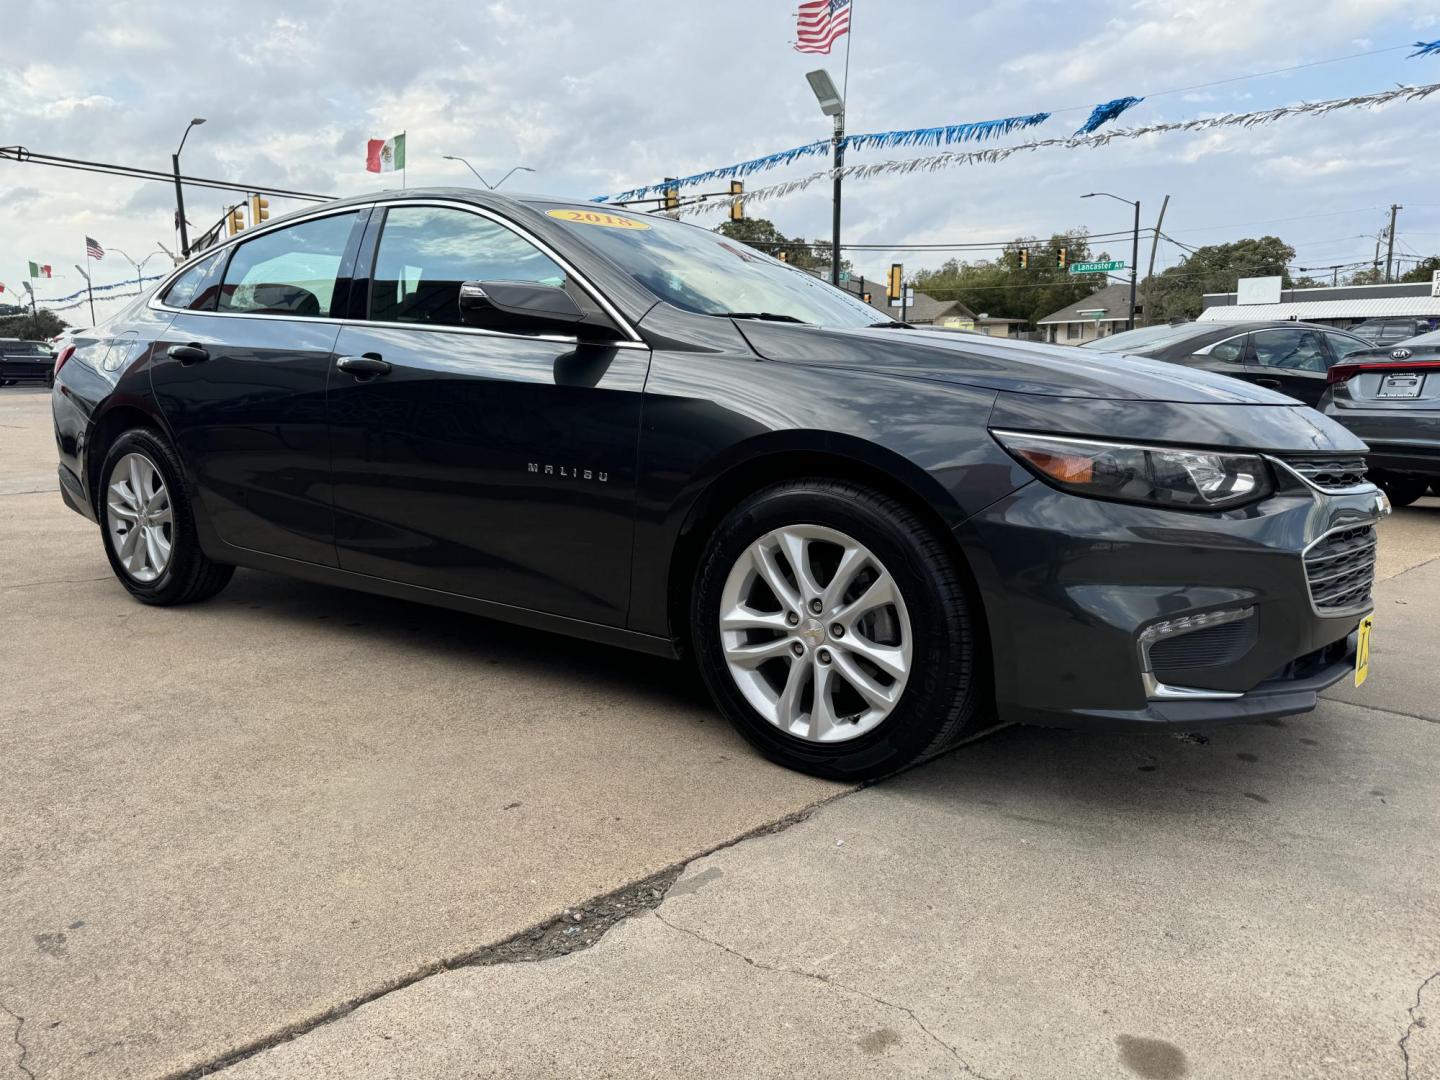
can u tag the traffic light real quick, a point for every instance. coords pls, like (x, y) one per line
(1062, 258)
(672, 193)
(737, 209)
(892, 288)
(1024, 258)
(235, 219)
(259, 210)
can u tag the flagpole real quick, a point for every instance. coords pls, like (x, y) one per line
(850, 33)
(89, 287)
(404, 135)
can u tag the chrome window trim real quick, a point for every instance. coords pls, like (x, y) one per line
(1206, 350)
(633, 341)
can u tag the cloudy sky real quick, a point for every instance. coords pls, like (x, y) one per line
(607, 95)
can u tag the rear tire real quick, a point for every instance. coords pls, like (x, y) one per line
(898, 683)
(148, 524)
(1401, 489)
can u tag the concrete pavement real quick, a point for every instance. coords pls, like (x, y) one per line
(224, 825)
(1045, 904)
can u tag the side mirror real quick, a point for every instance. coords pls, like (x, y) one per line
(520, 306)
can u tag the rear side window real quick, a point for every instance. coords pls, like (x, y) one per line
(290, 271)
(1342, 345)
(427, 251)
(1294, 350)
(182, 291)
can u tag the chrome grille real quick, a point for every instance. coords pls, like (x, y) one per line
(1330, 474)
(1340, 568)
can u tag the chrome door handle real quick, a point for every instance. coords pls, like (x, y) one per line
(364, 367)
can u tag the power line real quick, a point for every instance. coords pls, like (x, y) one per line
(26, 156)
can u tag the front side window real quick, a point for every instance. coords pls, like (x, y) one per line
(1295, 350)
(426, 252)
(290, 271)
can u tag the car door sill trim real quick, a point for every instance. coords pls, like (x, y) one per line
(490, 609)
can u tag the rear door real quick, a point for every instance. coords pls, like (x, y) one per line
(1291, 360)
(241, 375)
(492, 464)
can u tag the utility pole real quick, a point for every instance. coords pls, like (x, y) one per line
(1390, 244)
(1154, 243)
(1134, 248)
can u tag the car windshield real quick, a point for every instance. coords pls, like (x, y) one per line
(710, 274)
(1144, 337)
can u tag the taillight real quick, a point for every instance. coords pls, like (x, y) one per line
(1344, 372)
(63, 355)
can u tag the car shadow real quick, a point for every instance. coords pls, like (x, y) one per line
(397, 624)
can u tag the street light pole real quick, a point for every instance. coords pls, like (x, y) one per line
(179, 192)
(139, 266)
(832, 103)
(1134, 248)
(489, 186)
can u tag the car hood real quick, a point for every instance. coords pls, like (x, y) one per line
(1009, 366)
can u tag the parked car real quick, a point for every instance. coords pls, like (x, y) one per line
(25, 361)
(1392, 330)
(873, 540)
(1291, 357)
(1390, 397)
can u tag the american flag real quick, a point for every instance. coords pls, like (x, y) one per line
(819, 22)
(93, 248)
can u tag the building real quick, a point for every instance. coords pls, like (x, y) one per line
(999, 326)
(1339, 306)
(1098, 315)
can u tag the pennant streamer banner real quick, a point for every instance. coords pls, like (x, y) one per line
(1109, 111)
(951, 159)
(975, 131)
(82, 293)
(1425, 48)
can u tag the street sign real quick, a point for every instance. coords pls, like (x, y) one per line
(1096, 267)
(844, 276)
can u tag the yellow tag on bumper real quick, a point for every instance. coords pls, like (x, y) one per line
(596, 217)
(1362, 650)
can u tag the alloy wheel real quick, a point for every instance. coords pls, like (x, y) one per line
(815, 633)
(139, 517)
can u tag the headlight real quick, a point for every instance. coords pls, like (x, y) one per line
(1152, 475)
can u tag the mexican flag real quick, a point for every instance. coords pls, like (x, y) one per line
(39, 269)
(385, 155)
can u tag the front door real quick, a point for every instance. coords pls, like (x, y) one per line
(241, 375)
(1289, 360)
(494, 465)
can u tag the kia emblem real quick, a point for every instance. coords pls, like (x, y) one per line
(1400, 354)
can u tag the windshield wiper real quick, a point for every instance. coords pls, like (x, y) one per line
(889, 324)
(766, 316)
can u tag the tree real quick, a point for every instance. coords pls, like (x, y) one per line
(1371, 276)
(761, 234)
(1178, 292)
(1423, 270)
(25, 326)
(999, 287)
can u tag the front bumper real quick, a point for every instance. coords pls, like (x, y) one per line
(1071, 585)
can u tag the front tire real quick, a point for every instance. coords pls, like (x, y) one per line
(148, 524)
(833, 629)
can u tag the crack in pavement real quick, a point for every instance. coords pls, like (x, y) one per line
(1415, 1022)
(537, 943)
(24, 1050)
(56, 581)
(965, 1065)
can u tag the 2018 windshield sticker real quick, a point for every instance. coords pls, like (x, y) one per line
(595, 217)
